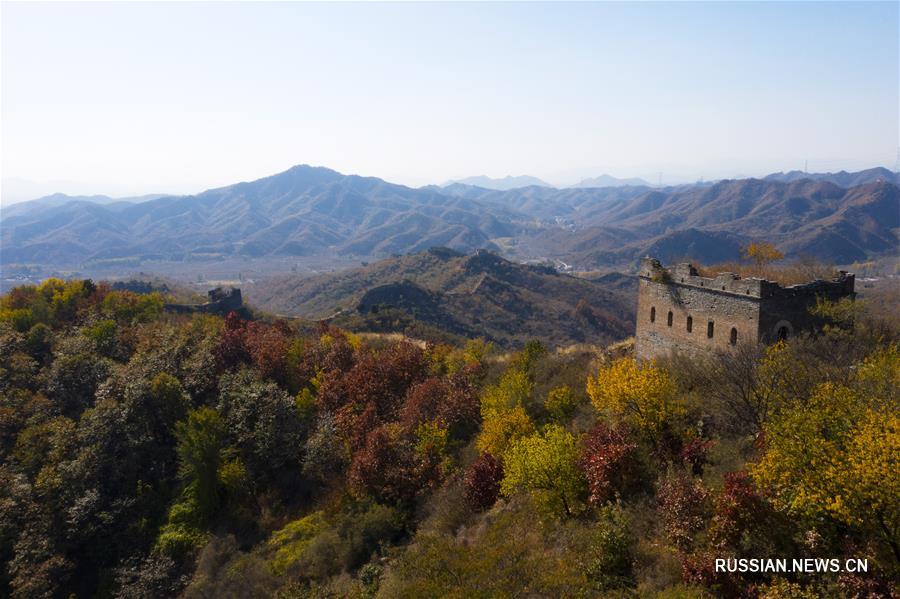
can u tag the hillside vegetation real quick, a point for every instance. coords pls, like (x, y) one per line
(145, 454)
(480, 295)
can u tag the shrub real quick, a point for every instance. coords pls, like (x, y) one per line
(608, 560)
(561, 403)
(609, 462)
(482, 481)
(293, 540)
(684, 509)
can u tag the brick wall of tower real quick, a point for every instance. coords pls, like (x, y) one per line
(741, 310)
(655, 338)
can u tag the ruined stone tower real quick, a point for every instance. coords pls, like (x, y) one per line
(681, 311)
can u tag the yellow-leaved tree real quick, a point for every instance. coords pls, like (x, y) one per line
(499, 429)
(503, 414)
(545, 464)
(640, 394)
(762, 253)
(837, 455)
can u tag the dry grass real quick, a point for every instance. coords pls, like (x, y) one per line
(785, 274)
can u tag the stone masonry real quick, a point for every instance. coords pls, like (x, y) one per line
(221, 301)
(679, 311)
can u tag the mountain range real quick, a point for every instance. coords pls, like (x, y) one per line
(507, 183)
(314, 211)
(469, 295)
(502, 184)
(610, 181)
(841, 178)
(304, 210)
(60, 199)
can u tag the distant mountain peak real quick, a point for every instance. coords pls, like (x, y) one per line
(605, 180)
(503, 184)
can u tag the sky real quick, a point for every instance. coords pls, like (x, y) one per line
(136, 98)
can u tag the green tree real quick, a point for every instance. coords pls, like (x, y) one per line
(201, 439)
(514, 389)
(561, 403)
(73, 380)
(38, 341)
(263, 423)
(545, 464)
(503, 414)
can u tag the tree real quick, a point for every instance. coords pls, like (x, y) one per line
(743, 521)
(513, 390)
(262, 422)
(168, 400)
(530, 354)
(733, 380)
(482, 481)
(267, 346)
(38, 341)
(201, 439)
(609, 462)
(501, 428)
(326, 454)
(545, 464)
(642, 395)
(684, 506)
(762, 253)
(389, 469)
(837, 455)
(232, 348)
(452, 402)
(73, 380)
(128, 307)
(373, 391)
(561, 403)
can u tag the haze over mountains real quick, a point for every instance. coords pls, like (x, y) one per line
(509, 182)
(314, 211)
(502, 184)
(60, 199)
(610, 181)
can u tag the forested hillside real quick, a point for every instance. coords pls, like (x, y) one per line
(147, 454)
(479, 295)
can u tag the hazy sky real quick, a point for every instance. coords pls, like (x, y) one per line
(137, 98)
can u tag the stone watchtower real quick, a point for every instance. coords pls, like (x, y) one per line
(681, 311)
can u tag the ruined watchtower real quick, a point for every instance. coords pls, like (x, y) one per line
(678, 310)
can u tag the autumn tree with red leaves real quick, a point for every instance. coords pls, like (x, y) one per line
(609, 462)
(482, 481)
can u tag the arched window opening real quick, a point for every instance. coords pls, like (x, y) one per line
(710, 327)
(733, 336)
(782, 330)
(653, 314)
(669, 319)
(690, 324)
